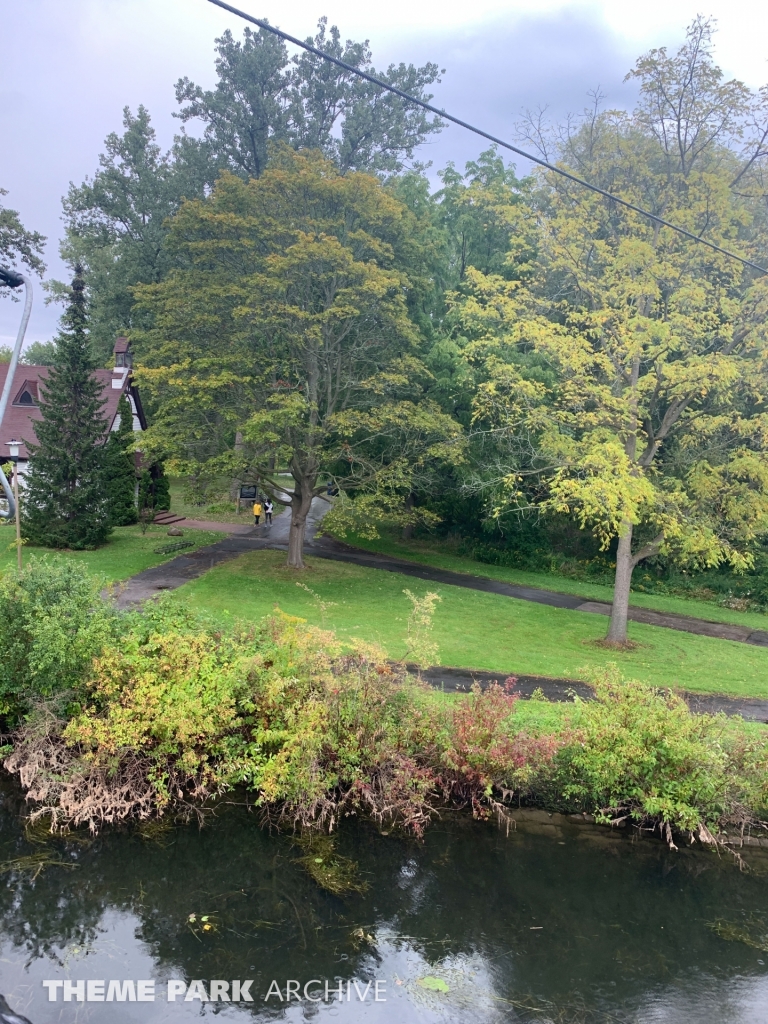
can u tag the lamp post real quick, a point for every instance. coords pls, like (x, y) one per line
(13, 279)
(13, 447)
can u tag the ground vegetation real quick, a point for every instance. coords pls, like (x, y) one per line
(477, 630)
(178, 712)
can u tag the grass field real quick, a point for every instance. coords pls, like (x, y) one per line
(473, 629)
(127, 552)
(430, 553)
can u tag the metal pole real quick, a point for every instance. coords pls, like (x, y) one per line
(13, 279)
(18, 512)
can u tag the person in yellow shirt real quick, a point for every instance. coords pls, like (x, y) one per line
(256, 512)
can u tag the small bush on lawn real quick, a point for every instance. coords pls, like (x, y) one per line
(52, 624)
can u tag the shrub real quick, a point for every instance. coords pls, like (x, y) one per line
(317, 729)
(179, 711)
(639, 753)
(167, 549)
(483, 760)
(52, 624)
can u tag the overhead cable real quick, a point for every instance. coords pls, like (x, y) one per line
(486, 135)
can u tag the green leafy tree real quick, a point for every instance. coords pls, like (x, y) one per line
(116, 220)
(262, 97)
(17, 244)
(65, 504)
(627, 370)
(120, 469)
(283, 338)
(483, 213)
(39, 353)
(115, 223)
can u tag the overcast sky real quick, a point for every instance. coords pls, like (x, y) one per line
(68, 67)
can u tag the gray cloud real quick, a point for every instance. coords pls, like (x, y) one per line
(67, 70)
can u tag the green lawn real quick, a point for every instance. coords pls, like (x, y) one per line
(473, 629)
(127, 552)
(428, 553)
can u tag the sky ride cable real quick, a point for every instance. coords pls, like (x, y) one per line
(260, 23)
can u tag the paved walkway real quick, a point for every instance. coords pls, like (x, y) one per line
(460, 680)
(242, 539)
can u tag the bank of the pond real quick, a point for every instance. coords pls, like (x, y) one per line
(152, 712)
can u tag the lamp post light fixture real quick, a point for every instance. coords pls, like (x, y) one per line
(13, 447)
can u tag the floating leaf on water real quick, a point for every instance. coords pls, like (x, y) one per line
(433, 984)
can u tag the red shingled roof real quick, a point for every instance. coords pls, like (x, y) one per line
(19, 420)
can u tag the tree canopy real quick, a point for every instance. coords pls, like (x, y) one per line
(282, 337)
(626, 368)
(17, 243)
(116, 219)
(263, 97)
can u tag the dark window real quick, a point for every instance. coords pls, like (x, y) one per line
(26, 399)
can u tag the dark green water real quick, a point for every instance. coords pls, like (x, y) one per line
(472, 925)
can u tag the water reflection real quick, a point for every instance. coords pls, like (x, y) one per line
(544, 925)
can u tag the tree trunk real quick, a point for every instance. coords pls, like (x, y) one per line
(617, 631)
(301, 502)
(234, 484)
(408, 528)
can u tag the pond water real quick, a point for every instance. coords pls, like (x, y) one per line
(546, 924)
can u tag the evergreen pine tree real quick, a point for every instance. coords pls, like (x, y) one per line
(120, 470)
(162, 487)
(64, 503)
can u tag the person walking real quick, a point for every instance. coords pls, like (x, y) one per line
(256, 512)
(268, 507)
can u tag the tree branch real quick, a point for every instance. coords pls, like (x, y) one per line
(652, 548)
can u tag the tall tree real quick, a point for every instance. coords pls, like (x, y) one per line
(482, 213)
(116, 220)
(282, 337)
(262, 97)
(628, 369)
(64, 504)
(115, 223)
(17, 244)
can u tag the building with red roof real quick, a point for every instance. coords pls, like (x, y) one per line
(28, 389)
